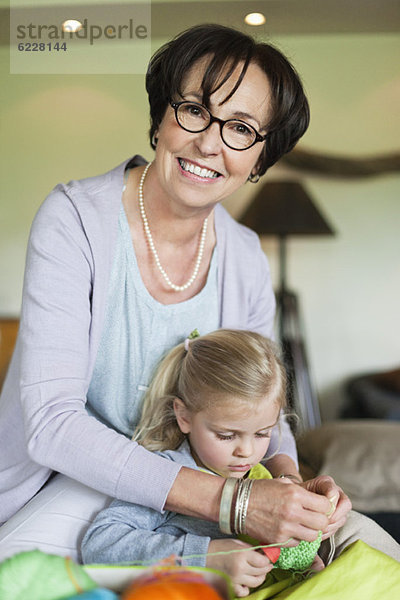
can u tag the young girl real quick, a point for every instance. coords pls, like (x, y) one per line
(211, 406)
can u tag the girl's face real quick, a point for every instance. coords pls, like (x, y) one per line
(230, 437)
(224, 170)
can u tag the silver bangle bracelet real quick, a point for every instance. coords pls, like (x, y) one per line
(242, 504)
(291, 476)
(225, 507)
(238, 507)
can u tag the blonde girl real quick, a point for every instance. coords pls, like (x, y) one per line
(227, 368)
(211, 405)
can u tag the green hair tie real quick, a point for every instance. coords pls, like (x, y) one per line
(195, 334)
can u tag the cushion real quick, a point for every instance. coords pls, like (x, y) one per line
(363, 457)
(359, 573)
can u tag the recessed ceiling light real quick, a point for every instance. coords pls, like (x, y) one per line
(255, 19)
(71, 26)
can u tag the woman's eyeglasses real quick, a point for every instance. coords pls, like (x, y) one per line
(236, 134)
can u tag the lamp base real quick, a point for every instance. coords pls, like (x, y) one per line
(302, 396)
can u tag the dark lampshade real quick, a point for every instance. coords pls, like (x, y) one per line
(284, 208)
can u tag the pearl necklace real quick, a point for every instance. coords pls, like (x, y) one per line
(149, 237)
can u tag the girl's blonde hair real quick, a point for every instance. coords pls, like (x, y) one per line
(216, 367)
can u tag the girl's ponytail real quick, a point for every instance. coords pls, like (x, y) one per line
(158, 428)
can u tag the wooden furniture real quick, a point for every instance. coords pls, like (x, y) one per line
(8, 335)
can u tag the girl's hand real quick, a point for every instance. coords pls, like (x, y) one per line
(246, 569)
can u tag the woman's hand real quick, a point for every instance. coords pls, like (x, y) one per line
(246, 569)
(340, 503)
(280, 511)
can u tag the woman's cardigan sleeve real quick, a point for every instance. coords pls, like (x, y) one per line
(58, 328)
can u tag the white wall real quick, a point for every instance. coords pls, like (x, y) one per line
(58, 128)
(348, 285)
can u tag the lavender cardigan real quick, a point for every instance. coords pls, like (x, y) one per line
(43, 422)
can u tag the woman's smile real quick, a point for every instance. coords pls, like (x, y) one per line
(196, 171)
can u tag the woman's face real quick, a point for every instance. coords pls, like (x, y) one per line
(178, 150)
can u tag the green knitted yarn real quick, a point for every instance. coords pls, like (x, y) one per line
(299, 558)
(35, 575)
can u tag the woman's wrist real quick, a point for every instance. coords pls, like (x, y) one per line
(213, 498)
(225, 506)
(196, 494)
(234, 503)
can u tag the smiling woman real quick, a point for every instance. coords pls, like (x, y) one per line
(98, 312)
(197, 169)
(223, 57)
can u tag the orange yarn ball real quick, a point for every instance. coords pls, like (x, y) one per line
(165, 585)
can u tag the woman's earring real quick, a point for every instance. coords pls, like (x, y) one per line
(154, 141)
(253, 177)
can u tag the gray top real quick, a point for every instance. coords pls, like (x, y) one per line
(44, 425)
(126, 533)
(138, 330)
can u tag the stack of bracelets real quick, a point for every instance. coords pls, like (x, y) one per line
(233, 508)
(232, 515)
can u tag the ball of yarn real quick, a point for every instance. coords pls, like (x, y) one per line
(298, 558)
(170, 585)
(35, 575)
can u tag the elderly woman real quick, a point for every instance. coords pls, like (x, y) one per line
(120, 268)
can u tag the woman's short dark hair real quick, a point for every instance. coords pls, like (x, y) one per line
(227, 48)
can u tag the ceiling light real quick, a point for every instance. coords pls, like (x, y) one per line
(71, 26)
(255, 19)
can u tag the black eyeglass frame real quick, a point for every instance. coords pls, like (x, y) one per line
(221, 123)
